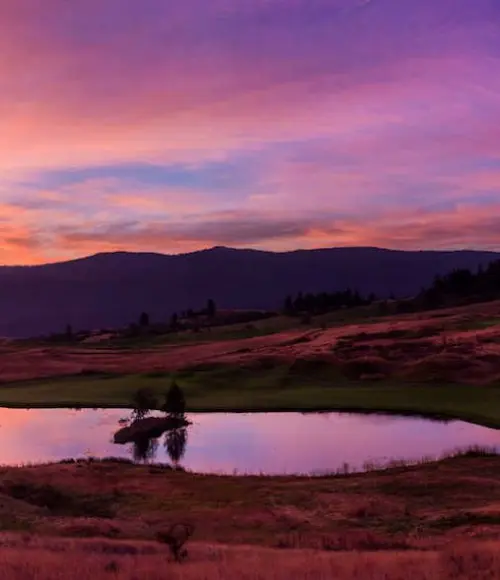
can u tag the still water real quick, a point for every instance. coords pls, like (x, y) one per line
(272, 443)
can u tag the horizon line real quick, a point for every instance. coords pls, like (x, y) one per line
(245, 249)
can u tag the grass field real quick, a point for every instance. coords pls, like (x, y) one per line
(48, 559)
(259, 328)
(408, 506)
(444, 363)
(277, 388)
(100, 518)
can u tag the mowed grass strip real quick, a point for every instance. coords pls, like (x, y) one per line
(278, 388)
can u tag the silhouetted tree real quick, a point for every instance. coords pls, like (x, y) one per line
(69, 332)
(461, 286)
(325, 302)
(288, 306)
(144, 319)
(143, 401)
(211, 308)
(174, 321)
(175, 402)
(298, 305)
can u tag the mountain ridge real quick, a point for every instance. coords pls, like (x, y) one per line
(248, 250)
(110, 289)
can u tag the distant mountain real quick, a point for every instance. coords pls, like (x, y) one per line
(112, 289)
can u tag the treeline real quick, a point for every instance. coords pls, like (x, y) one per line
(458, 287)
(324, 302)
(195, 320)
(189, 318)
(462, 286)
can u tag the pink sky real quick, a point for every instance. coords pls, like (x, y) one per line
(172, 126)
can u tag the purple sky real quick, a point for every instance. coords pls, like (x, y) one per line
(171, 126)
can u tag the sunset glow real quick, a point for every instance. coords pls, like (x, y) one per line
(272, 124)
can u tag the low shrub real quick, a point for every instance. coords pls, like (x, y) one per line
(366, 366)
(61, 502)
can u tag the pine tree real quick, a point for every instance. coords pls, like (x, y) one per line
(175, 402)
(211, 308)
(288, 305)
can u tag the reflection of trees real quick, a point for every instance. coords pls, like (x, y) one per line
(175, 444)
(138, 414)
(145, 441)
(175, 439)
(144, 449)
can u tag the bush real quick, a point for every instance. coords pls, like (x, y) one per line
(366, 366)
(61, 502)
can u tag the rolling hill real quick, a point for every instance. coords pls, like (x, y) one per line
(112, 289)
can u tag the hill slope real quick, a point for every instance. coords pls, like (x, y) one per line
(112, 289)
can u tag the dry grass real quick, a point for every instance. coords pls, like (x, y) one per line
(30, 558)
(407, 507)
(426, 522)
(472, 331)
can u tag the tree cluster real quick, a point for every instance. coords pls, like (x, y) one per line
(174, 324)
(325, 302)
(461, 286)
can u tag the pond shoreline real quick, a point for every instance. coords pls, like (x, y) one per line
(277, 389)
(378, 411)
(300, 443)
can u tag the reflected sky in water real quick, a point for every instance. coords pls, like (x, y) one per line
(243, 443)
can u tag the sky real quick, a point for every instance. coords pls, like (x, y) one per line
(171, 126)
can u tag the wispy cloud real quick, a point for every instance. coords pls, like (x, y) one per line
(265, 123)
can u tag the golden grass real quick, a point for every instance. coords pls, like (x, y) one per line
(31, 558)
(471, 332)
(427, 522)
(422, 506)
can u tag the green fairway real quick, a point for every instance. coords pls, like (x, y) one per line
(264, 389)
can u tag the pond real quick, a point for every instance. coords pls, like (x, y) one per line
(253, 443)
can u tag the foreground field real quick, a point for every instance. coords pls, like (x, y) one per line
(99, 520)
(427, 505)
(47, 559)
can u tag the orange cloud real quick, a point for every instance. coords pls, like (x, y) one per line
(341, 114)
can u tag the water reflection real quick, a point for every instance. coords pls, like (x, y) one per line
(144, 446)
(144, 449)
(224, 443)
(144, 433)
(383, 416)
(175, 444)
